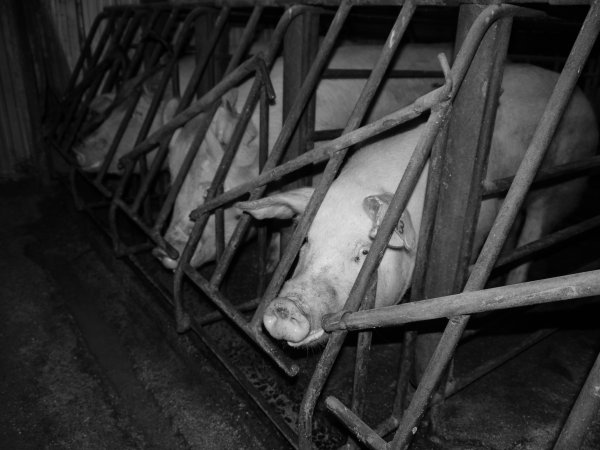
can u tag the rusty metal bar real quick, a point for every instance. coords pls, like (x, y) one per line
(326, 151)
(363, 350)
(80, 111)
(153, 61)
(85, 51)
(335, 342)
(263, 155)
(74, 100)
(309, 85)
(196, 77)
(566, 287)
(498, 361)
(163, 214)
(494, 188)
(398, 204)
(583, 412)
(548, 241)
(352, 421)
(523, 179)
(300, 46)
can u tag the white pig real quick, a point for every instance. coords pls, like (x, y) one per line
(343, 228)
(335, 102)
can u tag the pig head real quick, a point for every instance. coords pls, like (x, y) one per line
(331, 257)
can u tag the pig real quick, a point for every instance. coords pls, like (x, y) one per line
(92, 150)
(335, 102)
(346, 223)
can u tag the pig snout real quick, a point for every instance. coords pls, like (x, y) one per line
(284, 320)
(162, 256)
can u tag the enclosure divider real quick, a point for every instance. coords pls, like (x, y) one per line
(523, 179)
(583, 413)
(415, 166)
(235, 241)
(466, 147)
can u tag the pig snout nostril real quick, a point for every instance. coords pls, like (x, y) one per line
(284, 320)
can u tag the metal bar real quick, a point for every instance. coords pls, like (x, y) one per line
(196, 78)
(335, 342)
(498, 361)
(491, 249)
(583, 412)
(85, 51)
(299, 50)
(342, 74)
(494, 188)
(353, 422)
(221, 172)
(263, 154)
(363, 350)
(326, 151)
(235, 241)
(468, 138)
(548, 241)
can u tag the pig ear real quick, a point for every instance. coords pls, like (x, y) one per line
(229, 100)
(404, 235)
(100, 103)
(285, 205)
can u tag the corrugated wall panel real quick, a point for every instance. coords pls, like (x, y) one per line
(67, 21)
(16, 136)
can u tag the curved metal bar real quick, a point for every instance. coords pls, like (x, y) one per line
(491, 249)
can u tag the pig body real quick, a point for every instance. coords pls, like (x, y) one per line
(335, 101)
(92, 150)
(342, 231)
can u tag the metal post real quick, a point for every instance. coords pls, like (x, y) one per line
(299, 49)
(467, 146)
(583, 412)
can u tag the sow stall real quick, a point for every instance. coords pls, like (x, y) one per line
(130, 46)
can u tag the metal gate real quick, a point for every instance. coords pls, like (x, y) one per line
(143, 43)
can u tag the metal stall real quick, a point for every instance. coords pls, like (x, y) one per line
(143, 43)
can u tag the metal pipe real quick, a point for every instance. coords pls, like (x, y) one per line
(353, 422)
(531, 162)
(328, 150)
(361, 364)
(335, 342)
(495, 188)
(583, 413)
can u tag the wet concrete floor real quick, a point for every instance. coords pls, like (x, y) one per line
(86, 364)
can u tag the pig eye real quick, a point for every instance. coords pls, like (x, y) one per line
(361, 254)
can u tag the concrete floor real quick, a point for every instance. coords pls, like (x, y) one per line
(83, 366)
(90, 361)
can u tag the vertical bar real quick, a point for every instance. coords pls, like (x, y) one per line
(514, 199)
(299, 50)
(263, 154)
(361, 365)
(582, 414)
(336, 340)
(468, 140)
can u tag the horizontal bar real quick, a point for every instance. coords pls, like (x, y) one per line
(339, 74)
(548, 241)
(555, 289)
(326, 151)
(494, 188)
(215, 316)
(284, 362)
(232, 79)
(249, 3)
(359, 429)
